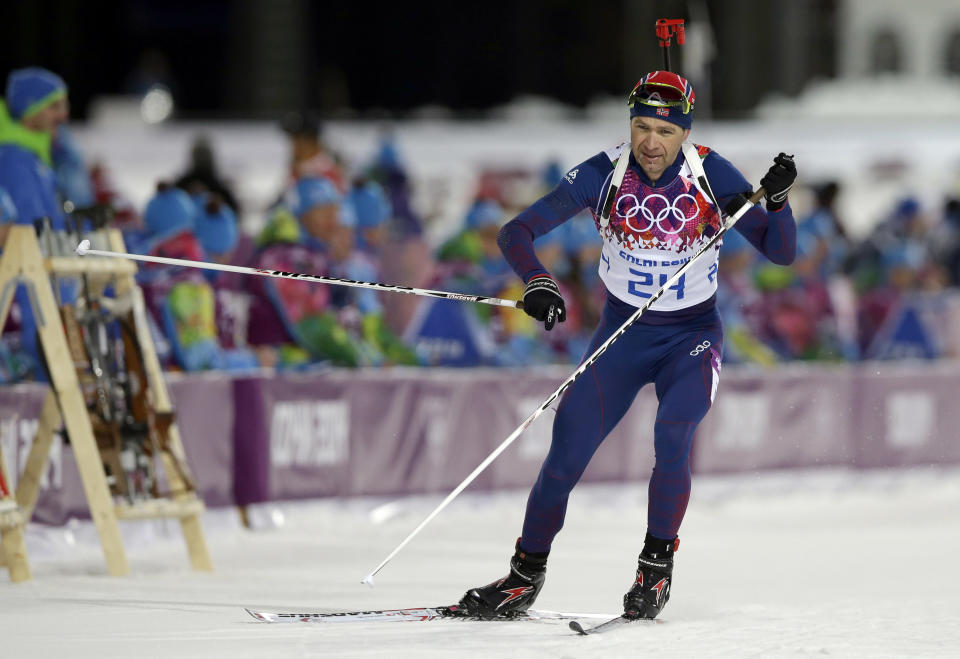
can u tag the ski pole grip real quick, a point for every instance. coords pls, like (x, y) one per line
(740, 201)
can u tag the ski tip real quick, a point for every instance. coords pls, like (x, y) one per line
(577, 627)
(368, 580)
(257, 615)
(83, 247)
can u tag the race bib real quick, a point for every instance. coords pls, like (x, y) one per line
(654, 231)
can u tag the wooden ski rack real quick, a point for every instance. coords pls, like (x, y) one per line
(13, 549)
(22, 262)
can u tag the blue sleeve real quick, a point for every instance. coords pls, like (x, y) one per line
(726, 181)
(773, 234)
(20, 181)
(580, 188)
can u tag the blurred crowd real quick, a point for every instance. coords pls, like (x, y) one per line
(844, 299)
(888, 295)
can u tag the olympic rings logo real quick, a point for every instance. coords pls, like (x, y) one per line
(681, 210)
(700, 348)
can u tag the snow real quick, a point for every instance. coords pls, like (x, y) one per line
(831, 563)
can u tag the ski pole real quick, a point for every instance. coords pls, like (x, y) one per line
(83, 249)
(587, 363)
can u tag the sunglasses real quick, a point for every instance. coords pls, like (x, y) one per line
(663, 89)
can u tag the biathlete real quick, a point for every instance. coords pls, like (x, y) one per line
(659, 217)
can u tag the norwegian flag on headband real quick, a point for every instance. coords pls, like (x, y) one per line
(671, 87)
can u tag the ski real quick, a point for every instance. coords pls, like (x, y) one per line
(419, 614)
(609, 625)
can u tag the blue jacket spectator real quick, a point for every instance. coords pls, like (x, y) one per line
(373, 211)
(35, 106)
(215, 226)
(182, 298)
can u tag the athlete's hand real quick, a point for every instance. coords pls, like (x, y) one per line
(778, 180)
(542, 300)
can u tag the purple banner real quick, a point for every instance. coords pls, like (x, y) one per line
(372, 432)
(792, 417)
(204, 406)
(908, 416)
(400, 431)
(205, 417)
(61, 492)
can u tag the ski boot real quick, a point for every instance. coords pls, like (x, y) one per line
(511, 595)
(651, 590)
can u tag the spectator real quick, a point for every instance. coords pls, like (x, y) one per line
(373, 213)
(471, 260)
(823, 225)
(202, 175)
(582, 247)
(832, 248)
(316, 202)
(126, 216)
(389, 171)
(182, 298)
(738, 302)
(796, 312)
(552, 174)
(909, 244)
(312, 322)
(278, 305)
(215, 226)
(895, 259)
(330, 224)
(35, 106)
(168, 217)
(359, 309)
(309, 156)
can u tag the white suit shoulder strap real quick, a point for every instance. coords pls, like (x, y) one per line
(692, 157)
(620, 155)
(695, 164)
(614, 152)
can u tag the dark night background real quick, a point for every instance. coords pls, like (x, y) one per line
(257, 58)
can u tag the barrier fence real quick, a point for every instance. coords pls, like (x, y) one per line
(267, 437)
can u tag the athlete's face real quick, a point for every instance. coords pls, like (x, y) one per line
(655, 144)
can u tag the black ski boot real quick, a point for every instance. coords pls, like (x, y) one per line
(514, 593)
(651, 590)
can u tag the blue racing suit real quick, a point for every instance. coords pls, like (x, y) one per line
(654, 228)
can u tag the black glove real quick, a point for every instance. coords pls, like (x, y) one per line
(778, 180)
(541, 300)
